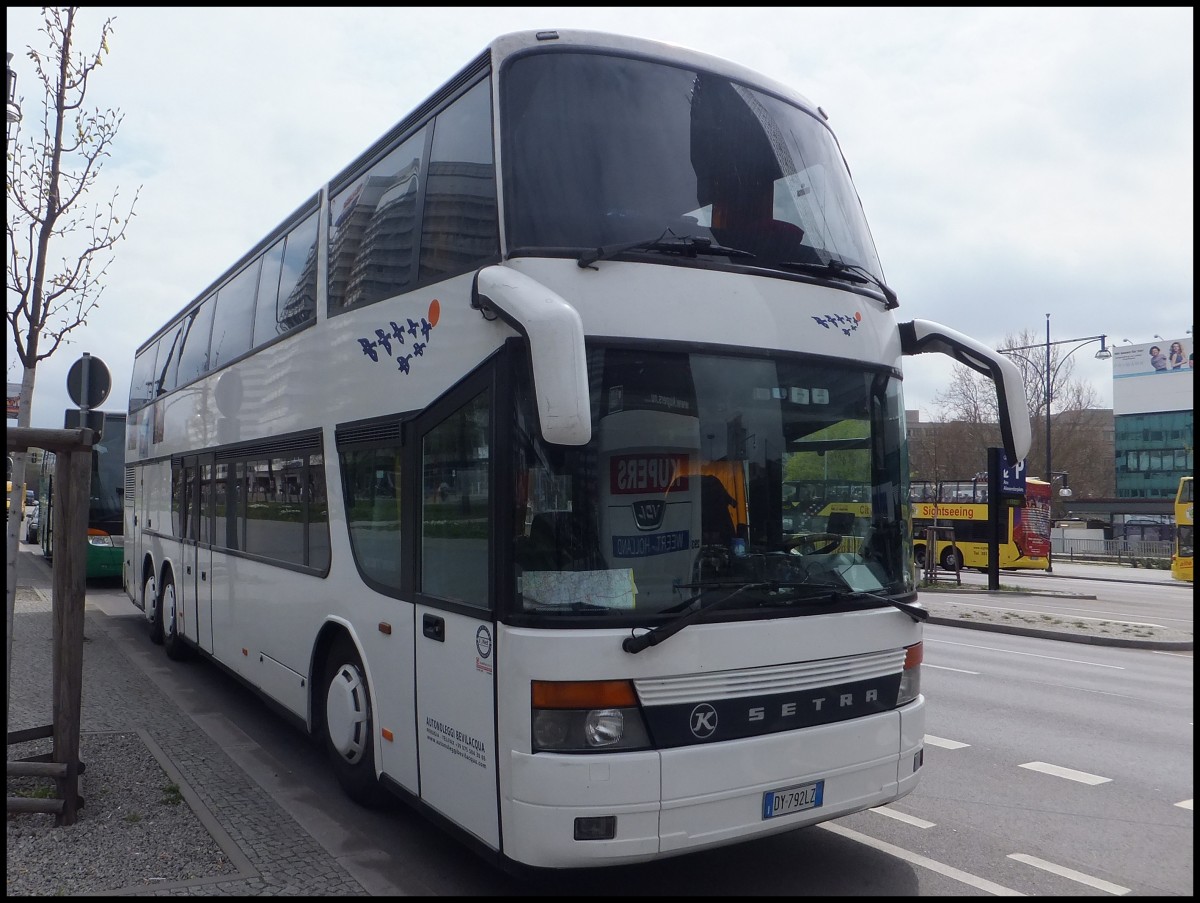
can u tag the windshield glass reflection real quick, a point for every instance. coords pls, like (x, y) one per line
(708, 471)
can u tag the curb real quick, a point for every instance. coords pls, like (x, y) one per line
(1173, 645)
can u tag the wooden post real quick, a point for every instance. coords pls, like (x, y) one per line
(73, 473)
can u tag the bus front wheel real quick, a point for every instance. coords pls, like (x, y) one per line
(348, 724)
(951, 559)
(919, 555)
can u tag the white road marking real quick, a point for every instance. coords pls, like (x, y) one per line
(1073, 875)
(931, 740)
(1184, 804)
(941, 868)
(1069, 773)
(1054, 658)
(907, 819)
(943, 668)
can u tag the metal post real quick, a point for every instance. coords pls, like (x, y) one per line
(1049, 474)
(996, 511)
(1103, 354)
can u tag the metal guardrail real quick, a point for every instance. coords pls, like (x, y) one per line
(1072, 549)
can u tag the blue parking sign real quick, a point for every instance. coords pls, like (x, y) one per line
(1012, 476)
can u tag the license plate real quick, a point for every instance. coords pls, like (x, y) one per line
(792, 799)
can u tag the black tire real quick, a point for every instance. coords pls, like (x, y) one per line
(173, 642)
(919, 555)
(153, 610)
(349, 725)
(952, 559)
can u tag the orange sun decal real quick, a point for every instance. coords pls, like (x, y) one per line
(435, 311)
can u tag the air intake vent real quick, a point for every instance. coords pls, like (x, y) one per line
(269, 447)
(382, 432)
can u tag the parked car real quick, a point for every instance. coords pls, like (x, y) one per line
(29, 529)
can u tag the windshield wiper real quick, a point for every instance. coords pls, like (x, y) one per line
(635, 644)
(848, 272)
(572, 607)
(667, 243)
(916, 612)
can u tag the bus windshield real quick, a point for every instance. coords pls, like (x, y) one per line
(678, 164)
(689, 483)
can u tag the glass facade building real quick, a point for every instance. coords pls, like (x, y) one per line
(1152, 451)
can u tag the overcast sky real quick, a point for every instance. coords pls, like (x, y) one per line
(1012, 163)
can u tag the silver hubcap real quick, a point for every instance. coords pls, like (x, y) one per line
(169, 610)
(346, 713)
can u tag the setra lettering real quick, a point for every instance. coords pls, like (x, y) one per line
(791, 709)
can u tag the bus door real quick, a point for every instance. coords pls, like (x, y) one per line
(192, 563)
(455, 628)
(201, 627)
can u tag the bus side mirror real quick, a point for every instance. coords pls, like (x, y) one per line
(921, 336)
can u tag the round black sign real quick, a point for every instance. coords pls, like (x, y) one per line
(99, 381)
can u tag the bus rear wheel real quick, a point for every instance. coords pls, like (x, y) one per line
(919, 555)
(153, 609)
(348, 724)
(177, 650)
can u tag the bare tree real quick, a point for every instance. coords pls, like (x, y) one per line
(971, 399)
(59, 243)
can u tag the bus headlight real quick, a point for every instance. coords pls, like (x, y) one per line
(604, 727)
(586, 716)
(99, 538)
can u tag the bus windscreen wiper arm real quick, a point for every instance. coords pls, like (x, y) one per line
(916, 612)
(684, 245)
(635, 644)
(850, 272)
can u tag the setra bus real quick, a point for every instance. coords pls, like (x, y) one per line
(1024, 542)
(105, 517)
(475, 465)
(1181, 559)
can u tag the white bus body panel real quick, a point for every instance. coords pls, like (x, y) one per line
(612, 302)
(751, 313)
(350, 386)
(456, 720)
(684, 799)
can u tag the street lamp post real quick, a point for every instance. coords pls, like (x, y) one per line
(13, 112)
(1103, 354)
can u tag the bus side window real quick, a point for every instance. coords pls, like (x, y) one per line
(371, 241)
(460, 229)
(454, 533)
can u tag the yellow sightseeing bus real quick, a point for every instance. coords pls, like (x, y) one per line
(962, 504)
(1181, 560)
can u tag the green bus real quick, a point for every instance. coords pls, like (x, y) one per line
(106, 524)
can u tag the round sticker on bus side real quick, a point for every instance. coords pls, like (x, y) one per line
(483, 641)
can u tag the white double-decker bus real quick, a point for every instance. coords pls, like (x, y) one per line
(475, 466)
